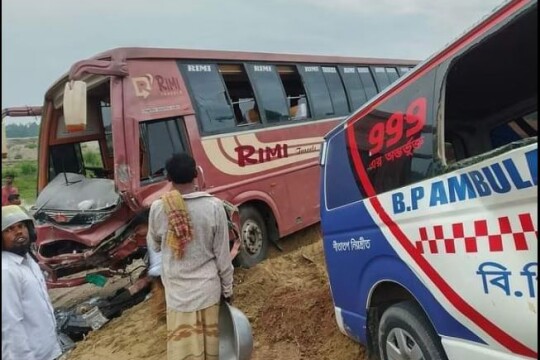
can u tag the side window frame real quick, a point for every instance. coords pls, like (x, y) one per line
(144, 139)
(381, 78)
(203, 117)
(346, 76)
(334, 93)
(259, 95)
(311, 77)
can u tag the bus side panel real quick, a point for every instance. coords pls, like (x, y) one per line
(280, 161)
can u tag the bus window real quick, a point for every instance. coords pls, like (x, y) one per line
(403, 70)
(367, 81)
(269, 90)
(355, 90)
(210, 97)
(65, 158)
(295, 92)
(392, 74)
(92, 160)
(337, 92)
(85, 152)
(381, 78)
(317, 91)
(241, 94)
(160, 139)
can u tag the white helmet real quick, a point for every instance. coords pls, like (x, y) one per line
(12, 214)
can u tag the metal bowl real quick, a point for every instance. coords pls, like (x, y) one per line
(235, 337)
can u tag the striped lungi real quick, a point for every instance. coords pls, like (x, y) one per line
(193, 335)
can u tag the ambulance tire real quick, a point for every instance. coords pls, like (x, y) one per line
(254, 238)
(405, 320)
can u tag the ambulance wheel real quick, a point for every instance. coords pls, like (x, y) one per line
(405, 333)
(253, 236)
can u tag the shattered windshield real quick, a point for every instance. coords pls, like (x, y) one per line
(74, 192)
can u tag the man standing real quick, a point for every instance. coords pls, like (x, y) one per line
(28, 322)
(8, 188)
(190, 229)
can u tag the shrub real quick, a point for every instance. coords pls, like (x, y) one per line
(92, 159)
(28, 169)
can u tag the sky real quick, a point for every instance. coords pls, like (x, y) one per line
(42, 39)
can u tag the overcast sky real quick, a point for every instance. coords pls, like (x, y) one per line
(41, 39)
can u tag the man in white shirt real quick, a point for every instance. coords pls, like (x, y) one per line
(28, 322)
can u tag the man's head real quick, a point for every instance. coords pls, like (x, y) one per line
(14, 199)
(181, 169)
(8, 178)
(17, 230)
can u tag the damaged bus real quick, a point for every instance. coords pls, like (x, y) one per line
(253, 122)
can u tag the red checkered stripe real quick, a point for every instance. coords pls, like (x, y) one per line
(439, 243)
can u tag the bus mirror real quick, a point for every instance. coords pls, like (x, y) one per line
(75, 106)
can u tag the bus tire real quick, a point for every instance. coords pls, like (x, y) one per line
(254, 238)
(405, 330)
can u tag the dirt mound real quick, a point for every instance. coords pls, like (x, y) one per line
(286, 298)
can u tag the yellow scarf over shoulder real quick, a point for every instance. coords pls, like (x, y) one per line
(180, 229)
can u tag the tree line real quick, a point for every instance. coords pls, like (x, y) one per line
(22, 130)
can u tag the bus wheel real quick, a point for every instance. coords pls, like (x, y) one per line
(405, 333)
(254, 238)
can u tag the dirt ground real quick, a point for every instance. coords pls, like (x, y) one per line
(286, 298)
(22, 149)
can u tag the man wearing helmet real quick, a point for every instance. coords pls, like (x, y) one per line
(28, 322)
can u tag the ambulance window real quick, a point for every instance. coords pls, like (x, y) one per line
(396, 150)
(491, 89)
(515, 130)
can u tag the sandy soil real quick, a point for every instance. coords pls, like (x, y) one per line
(286, 298)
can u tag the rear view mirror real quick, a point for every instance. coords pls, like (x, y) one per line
(75, 106)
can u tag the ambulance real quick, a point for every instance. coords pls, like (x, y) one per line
(429, 202)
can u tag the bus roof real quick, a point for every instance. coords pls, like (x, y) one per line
(164, 53)
(131, 53)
